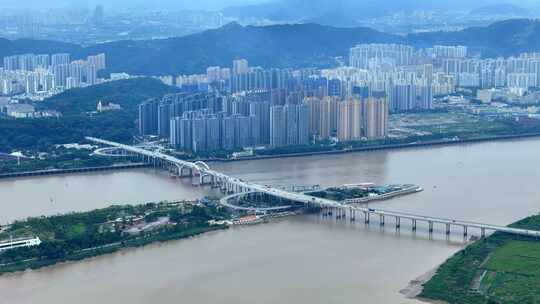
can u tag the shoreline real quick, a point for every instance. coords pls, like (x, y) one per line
(415, 287)
(87, 254)
(378, 147)
(72, 171)
(432, 143)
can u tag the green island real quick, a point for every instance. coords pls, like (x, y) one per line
(76, 236)
(364, 193)
(502, 268)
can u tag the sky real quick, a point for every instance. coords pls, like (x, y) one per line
(213, 4)
(112, 4)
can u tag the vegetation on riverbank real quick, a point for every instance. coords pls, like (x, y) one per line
(61, 159)
(359, 191)
(500, 269)
(78, 117)
(76, 236)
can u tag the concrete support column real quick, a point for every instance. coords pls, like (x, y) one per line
(430, 226)
(398, 222)
(447, 229)
(465, 232)
(381, 220)
(483, 232)
(366, 217)
(413, 225)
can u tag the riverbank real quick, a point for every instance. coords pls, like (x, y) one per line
(378, 147)
(286, 155)
(500, 269)
(77, 236)
(74, 170)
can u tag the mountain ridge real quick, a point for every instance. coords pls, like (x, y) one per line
(285, 45)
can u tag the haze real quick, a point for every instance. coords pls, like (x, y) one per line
(221, 4)
(121, 4)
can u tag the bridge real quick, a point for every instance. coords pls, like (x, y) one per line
(225, 201)
(232, 185)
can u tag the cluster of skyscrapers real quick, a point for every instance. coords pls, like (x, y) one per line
(516, 73)
(352, 119)
(205, 122)
(406, 87)
(285, 107)
(46, 74)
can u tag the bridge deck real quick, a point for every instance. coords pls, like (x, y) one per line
(306, 199)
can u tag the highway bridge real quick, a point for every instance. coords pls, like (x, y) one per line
(226, 201)
(232, 185)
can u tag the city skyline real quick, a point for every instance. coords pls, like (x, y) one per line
(280, 151)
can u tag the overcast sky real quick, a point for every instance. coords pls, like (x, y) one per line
(114, 4)
(219, 4)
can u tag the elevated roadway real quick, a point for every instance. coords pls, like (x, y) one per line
(233, 185)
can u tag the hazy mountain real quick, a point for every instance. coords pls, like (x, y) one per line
(22, 46)
(501, 9)
(299, 45)
(297, 10)
(269, 46)
(504, 38)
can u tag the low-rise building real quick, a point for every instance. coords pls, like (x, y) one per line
(20, 242)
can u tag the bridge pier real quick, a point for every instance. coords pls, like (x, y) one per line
(398, 222)
(413, 225)
(483, 232)
(338, 213)
(430, 226)
(188, 174)
(381, 220)
(206, 179)
(366, 217)
(447, 229)
(465, 232)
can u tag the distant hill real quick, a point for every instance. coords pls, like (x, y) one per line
(127, 93)
(503, 38)
(269, 46)
(23, 46)
(297, 45)
(297, 10)
(41, 134)
(501, 9)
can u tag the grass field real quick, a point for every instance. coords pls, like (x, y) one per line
(517, 257)
(508, 266)
(513, 273)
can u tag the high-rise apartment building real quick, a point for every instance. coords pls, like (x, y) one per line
(350, 119)
(329, 117)
(148, 117)
(240, 66)
(278, 127)
(375, 118)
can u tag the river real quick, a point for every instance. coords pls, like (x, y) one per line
(304, 259)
